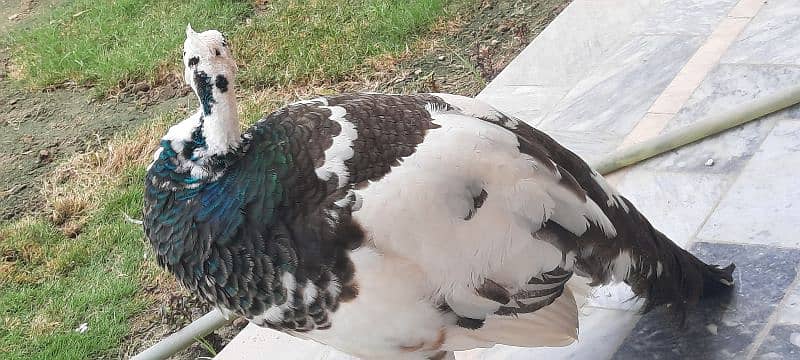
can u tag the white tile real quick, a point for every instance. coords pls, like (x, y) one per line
(621, 90)
(697, 17)
(601, 333)
(728, 86)
(762, 205)
(614, 296)
(771, 37)
(589, 145)
(676, 203)
(529, 103)
(747, 8)
(574, 42)
(698, 67)
(260, 343)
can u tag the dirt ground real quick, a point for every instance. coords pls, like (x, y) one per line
(40, 129)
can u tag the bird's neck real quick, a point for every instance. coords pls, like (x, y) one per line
(199, 145)
(220, 126)
(219, 115)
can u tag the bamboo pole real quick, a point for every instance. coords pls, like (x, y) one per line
(708, 126)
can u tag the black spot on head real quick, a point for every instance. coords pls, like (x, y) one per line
(194, 61)
(221, 82)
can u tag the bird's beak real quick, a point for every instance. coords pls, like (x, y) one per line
(189, 31)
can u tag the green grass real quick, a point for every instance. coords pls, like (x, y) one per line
(112, 43)
(306, 40)
(106, 43)
(49, 283)
(57, 283)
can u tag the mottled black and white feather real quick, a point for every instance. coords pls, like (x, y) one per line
(395, 226)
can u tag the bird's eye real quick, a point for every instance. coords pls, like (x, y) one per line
(194, 61)
(216, 51)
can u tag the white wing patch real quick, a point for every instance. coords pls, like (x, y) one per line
(181, 132)
(476, 108)
(156, 155)
(314, 101)
(274, 314)
(622, 265)
(341, 149)
(614, 198)
(309, 293)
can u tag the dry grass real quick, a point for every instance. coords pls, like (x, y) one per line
(76, 187)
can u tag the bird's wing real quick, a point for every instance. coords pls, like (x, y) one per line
(622, 245)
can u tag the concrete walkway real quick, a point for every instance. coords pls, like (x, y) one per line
(608, 73)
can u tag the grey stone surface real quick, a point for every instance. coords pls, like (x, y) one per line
(782, 343)
(721, 327)
(600, 334)
(578, 39)
(676, 203)
(726, 87)
(790, 312)
(772, 37)
(529, 103)
(589, 145)
(761, 206)
(260, 343)
(620, 91)
(614, 296)
(690, 17)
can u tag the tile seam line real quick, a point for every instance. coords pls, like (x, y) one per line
(626, 140)
(733, 242)
(734, 179)
(685, 70)
(772, 321)
(629, 34)
(693, 239)
(730, 62)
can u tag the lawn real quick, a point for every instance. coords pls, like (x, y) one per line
(109, 44)
(84, 263)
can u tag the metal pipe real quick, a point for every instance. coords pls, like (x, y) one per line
(185, 337)
(619, 159)
(703, 128)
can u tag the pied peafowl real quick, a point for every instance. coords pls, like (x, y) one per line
(395, 226)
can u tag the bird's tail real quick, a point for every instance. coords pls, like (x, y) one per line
(660, 271)
(679, 279)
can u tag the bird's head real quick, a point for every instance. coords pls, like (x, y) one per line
(207, 60)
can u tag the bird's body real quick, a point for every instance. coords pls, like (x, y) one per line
(395, 226)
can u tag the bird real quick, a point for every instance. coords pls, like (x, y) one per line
(395, 226)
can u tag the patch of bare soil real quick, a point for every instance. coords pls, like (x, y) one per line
(39, 129)
(474, 47)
